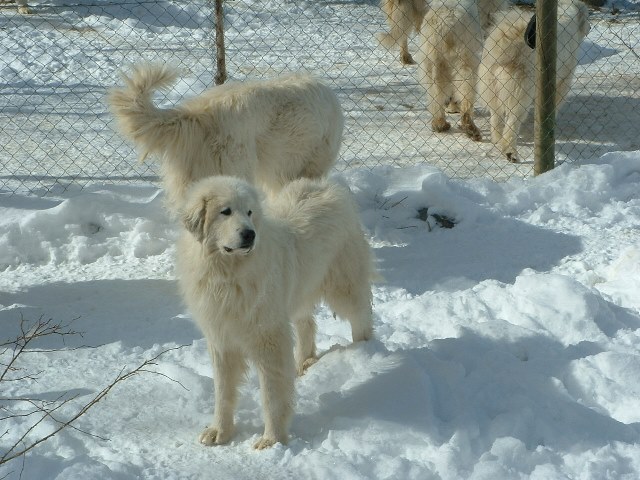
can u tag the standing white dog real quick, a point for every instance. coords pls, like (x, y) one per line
(270, 132)
(247, 276)
(405, 16)
(451, 38)
(508, 69)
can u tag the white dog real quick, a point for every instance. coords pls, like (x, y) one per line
(406, 16)
(270, 132)
(403, 17)
(508, 69)
(248, 276)
(451, 45)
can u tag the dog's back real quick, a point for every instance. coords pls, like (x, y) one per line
(267, 131)
(320, 216)
(332, 255)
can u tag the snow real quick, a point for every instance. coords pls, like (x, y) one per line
(507, 346)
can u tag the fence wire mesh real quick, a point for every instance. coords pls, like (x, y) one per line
(57, 63)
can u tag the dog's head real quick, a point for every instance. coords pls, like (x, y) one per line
(222, 213)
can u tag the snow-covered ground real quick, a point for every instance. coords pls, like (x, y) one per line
(506, 347)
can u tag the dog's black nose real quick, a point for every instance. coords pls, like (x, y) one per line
(247, 236)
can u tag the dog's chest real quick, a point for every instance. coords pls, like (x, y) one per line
(233, 298)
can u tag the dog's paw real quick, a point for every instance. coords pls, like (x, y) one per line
(473, 133)
(468, 127)
(264, 443)
(407, 59)
(214, 436)
(512, 157)
(306, 364)
(440, 125)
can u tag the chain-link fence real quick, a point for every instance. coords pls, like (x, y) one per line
(57, 63)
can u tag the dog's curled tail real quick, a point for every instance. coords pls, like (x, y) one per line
(138, 119)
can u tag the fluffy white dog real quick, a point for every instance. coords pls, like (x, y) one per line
(403, 17)
(247, 276)
(451, 45)
(508, 70)
(269, 132)
(406, 16)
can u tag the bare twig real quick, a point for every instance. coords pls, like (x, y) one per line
(48, 409)
(29, 333)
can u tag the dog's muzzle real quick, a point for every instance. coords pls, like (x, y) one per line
(247, 242)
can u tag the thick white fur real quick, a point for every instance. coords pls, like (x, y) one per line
(309, 246)
(486, 9)
(451, 45)
(269, 132)
(507, 81)
(406, 16)
(403, 17)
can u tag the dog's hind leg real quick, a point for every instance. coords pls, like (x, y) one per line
(347, 290)
(305, 351)
(468, 66)
(515, 118)
(405, 56)
(517, 106)
(438, 84)
(354, 306)
(496, 119)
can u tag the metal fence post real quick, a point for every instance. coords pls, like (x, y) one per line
(221, 68)
(545, 108)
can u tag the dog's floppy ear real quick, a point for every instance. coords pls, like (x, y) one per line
(194, 217)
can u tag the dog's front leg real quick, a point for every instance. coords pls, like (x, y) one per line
(276, 371)
(228, 369)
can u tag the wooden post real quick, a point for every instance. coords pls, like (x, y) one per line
(545, 108)
(221, 68)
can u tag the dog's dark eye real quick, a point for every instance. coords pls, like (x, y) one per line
(226, 212)
(249, 213)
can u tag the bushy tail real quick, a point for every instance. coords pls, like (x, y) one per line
(138, 119)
